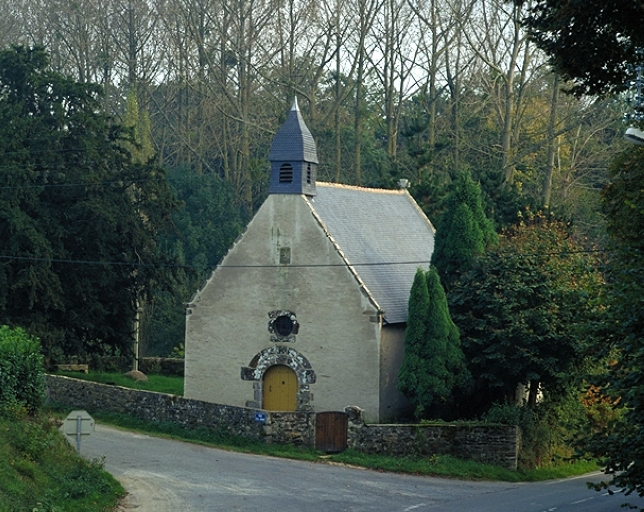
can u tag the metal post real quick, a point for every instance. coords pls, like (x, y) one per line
(79, 423)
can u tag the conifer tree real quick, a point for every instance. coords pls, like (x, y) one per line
(415, 336)
(80, 220)
(463, 232)
(443, 337)
(433, 363)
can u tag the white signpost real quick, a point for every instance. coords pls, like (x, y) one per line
(78, 424)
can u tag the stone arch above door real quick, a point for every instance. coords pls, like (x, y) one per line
(285, 356)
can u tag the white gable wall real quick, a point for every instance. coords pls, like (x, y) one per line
(227, 322)
(393, 404)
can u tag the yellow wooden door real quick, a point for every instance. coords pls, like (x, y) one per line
(280, 389)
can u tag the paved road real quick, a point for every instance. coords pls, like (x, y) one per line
(164, 476)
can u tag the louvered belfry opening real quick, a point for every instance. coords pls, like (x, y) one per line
(286, 173)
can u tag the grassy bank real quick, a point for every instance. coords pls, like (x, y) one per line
(40, 470)
(159, 383)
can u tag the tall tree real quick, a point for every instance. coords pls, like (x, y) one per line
(410, 376)
(520, 310)
(596, 45)
(501, 44)
(464, 230)
(78, 218)
(206, 226)
(592, 43)
(433, 363)
(620, 444)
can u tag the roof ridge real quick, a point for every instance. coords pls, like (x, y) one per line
(357, 187)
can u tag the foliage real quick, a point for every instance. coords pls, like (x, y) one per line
(522, 310)
(137, 124)
(22, 375)
(42, 472)
(620, 444)
(79, 220)
(591, 43)
(433, 363)
(463, 232)
(547, 429)
(206, 225)
(410, 374)
(178, 351)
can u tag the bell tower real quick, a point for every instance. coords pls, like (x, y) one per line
(293, 157)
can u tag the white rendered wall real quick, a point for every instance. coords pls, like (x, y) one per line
(227, 322)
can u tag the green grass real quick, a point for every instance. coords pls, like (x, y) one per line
(159, 383)
(40, 470)
(441, 466)
(451, 467)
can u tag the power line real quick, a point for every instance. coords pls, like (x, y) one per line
(84, 184)
(92, 262)
(251, 266)
(174, 265)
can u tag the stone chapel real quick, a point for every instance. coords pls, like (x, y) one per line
(307, 310)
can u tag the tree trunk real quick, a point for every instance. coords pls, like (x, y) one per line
(552, 143)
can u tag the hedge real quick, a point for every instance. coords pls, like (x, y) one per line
(22, 374)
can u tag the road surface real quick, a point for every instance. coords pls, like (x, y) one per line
(162, 476)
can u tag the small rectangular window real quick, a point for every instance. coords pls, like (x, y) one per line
(285, 255)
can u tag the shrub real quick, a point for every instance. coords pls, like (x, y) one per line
(22, 374)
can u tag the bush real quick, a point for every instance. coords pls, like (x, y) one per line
(22, 374)
(547, 429)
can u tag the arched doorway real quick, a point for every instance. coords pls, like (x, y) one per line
(279, 389)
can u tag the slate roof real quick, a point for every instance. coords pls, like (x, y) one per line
(293, 141)
(383, 235)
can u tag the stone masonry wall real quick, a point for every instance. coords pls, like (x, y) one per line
(492, 444)
(484, 443)
(279, 428)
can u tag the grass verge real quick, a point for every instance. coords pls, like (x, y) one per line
(437, 465)
(159, 383)
(41, 471)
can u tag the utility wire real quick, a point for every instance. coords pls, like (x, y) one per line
(174, 265)
(321, 265)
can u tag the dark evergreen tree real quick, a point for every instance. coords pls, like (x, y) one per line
(78, 219)
(463, 232)
(206, 225)
(410, 377)
(592, 43)
(433, 363)
(449, 371)
(620, 444)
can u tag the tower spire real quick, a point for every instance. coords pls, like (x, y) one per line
(293, 157)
